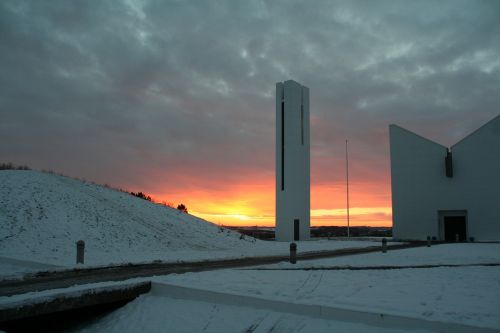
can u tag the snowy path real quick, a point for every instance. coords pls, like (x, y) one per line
(180, 309)
(458, 298)
(65, 278)
(162, 314)
(469, 296)
(464, 295)
(330, 312)
(443, 254)
(367, 268)
(14, 268)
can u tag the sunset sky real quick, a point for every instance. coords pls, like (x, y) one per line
(176, 98)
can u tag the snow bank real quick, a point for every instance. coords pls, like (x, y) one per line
(43, 215)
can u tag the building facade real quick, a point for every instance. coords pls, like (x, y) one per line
(448, 193)
(292, 162)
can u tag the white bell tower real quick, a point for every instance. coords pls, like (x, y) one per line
(292, 162)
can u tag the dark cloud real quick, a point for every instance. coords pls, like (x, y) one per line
(115, 91)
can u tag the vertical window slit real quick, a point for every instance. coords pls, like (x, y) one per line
(302, 124)
(282, 145)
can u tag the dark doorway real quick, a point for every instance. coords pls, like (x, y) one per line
(296, 229)
(454, 225)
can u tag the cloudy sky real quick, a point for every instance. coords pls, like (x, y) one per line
(176, 98)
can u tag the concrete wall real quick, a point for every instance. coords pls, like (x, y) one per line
(292, 160)
(421, 191)
(476, 163)
(417, 176)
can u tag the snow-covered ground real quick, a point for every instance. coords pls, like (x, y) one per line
(459, 295)
(9, 270)
(464, 295)
(150, 313)
(161, 314)
(13, 268)
(43, 215)
(450, 254)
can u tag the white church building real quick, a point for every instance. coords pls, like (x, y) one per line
(446, 192)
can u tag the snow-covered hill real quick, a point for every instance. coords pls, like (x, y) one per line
(42, 216)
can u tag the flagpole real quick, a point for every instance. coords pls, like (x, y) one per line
(347, 185)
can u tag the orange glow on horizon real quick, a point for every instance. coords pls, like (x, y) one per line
(253, 204)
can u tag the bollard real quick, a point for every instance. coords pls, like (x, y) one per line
(80, 252)
(384, 245)
(428, 241)
(293, 253)
(471, 239)
(457, 239)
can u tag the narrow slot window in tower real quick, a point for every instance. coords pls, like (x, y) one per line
(302, 124)
(283, 144)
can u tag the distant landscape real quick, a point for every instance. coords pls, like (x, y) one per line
(267, 233)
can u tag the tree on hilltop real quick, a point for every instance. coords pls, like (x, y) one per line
(182, 208)
(142, 196)
(10, 166)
